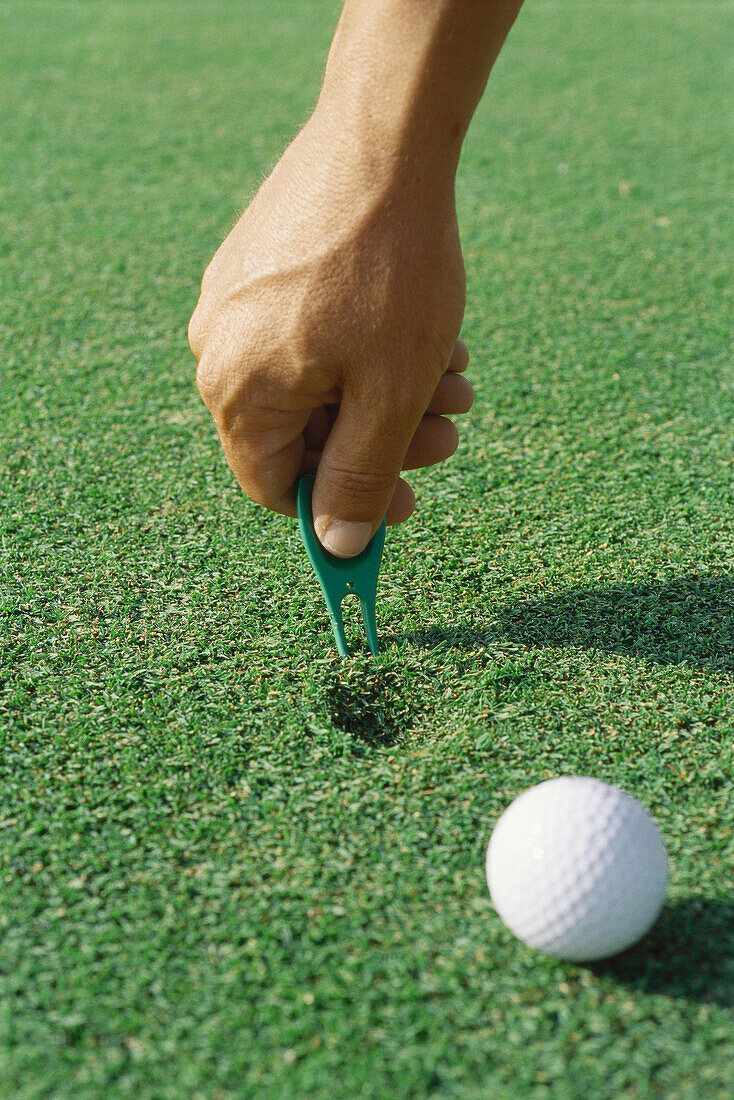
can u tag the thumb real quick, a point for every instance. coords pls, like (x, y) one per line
(359, 469)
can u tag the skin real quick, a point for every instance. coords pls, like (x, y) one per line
(327, 329)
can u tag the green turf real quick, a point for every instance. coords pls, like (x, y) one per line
(231, 864)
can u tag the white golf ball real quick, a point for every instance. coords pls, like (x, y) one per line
(577, 868)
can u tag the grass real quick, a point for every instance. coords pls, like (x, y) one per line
(231, 864)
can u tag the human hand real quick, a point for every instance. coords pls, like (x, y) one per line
(327, 333)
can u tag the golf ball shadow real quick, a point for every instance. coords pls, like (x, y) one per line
(688, 954)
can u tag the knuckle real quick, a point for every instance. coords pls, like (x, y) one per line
(255, 451)
(260, 492)
(209, 380)
(254, 490)
(441, 344)
(355, 483)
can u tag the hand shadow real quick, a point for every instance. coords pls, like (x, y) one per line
(688, 620)
(689, 954)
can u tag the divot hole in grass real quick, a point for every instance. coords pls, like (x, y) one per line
(371, 709)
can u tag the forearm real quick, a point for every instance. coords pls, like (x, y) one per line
(405, 77)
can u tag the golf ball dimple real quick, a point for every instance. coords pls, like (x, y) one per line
(577, 868)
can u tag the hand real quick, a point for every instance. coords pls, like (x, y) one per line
(327, 334)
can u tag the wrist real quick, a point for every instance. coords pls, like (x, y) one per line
(404, 77)
(375, 157)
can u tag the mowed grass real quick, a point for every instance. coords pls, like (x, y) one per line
(231, 864)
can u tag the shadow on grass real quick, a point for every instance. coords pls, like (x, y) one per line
(689, 620)
(372, 709)
(688, 954)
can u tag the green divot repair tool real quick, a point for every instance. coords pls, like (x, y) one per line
(340, 577)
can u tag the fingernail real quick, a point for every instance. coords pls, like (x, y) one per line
(344, 540)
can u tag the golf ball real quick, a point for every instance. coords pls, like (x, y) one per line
(577, 868)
